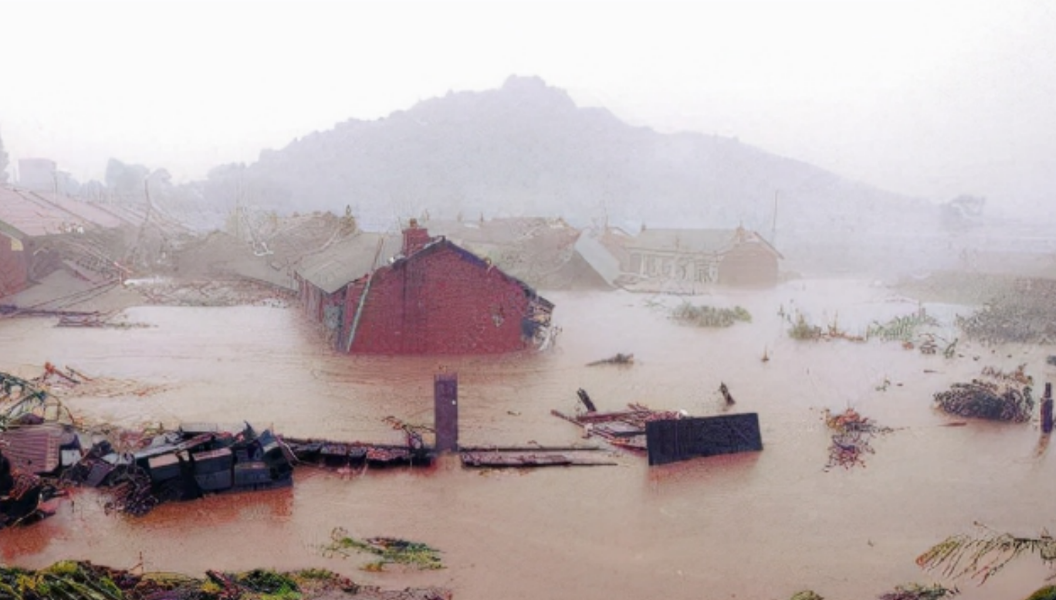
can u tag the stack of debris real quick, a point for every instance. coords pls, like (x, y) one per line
(184, 464)
(625, 429)
(1000, 396)
(23, 496)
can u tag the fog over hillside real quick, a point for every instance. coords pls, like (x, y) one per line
(527, 149)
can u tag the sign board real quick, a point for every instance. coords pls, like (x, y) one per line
(681, 439)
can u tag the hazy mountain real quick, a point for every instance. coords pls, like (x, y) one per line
(527, 149)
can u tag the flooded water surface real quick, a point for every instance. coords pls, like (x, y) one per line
(761, 525)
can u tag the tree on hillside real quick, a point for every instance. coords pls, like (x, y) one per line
(3, 162)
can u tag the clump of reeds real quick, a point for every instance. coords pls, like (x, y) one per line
(710, 316)
(901, 329)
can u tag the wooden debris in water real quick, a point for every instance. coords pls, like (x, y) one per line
(725, 391)
(498, 460)
(624, 429)
(617, 359)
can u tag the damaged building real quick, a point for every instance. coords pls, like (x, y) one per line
(43, 232)
(687, 260)
(544, 253)
(431, 296)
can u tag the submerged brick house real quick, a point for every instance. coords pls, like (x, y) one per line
(434, 298)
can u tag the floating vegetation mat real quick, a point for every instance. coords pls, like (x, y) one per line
(915, 591)
(851, 439)
(389, 550)
(85, 581)
(709, 316)
(983, 556)
(1000, 397)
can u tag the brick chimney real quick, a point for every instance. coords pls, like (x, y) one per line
(414, 238)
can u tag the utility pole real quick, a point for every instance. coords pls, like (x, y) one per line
(773, 224)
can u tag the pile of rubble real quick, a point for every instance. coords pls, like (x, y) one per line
(45, 450)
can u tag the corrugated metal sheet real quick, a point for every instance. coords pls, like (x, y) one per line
(347, 260)
(91, 212)
(33, 448)
(682, 439)
(599, 258)
(35, 217)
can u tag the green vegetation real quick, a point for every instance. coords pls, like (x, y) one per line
(709, 316)
(915, 591)
(71, 580)
(983, 556)
(1046, 593)
(274, 586)
(390, 550)
(901, 329)
(804, 330)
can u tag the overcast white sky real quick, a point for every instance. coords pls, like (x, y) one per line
(930, 98)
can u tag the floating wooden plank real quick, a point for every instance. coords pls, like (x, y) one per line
(526, 459)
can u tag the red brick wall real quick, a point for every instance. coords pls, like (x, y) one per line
(439, 301)
(14, 269)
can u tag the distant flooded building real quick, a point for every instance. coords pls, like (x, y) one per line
(433, 297)
(685, 259)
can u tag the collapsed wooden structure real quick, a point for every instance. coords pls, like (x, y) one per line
(669, 436)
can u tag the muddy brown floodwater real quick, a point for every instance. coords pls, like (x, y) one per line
(759, 525)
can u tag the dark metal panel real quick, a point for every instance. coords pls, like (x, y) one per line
(682, 439)
(33, 448)
(445, 396)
